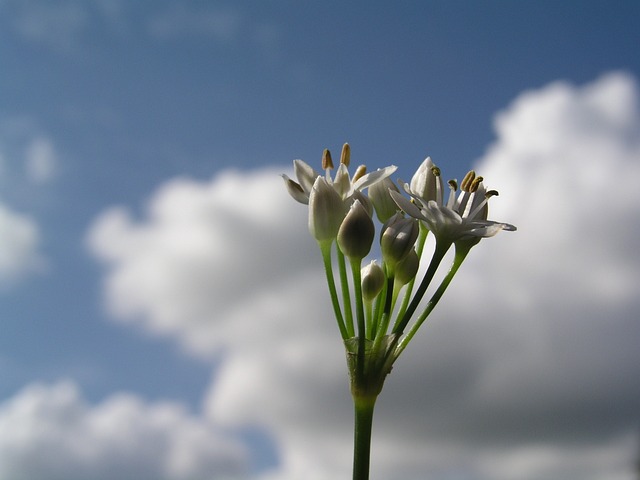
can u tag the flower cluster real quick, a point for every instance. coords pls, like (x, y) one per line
(375, 325)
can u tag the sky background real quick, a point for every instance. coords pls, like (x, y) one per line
(163, 312)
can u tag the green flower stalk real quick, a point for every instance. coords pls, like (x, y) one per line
(341, 220)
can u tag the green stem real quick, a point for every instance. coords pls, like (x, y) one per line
(460, 255)
(407, 293)
(362, 334)
(346, 296)
(386, 315)
(325, 248)
(438, 255)
(362, 436)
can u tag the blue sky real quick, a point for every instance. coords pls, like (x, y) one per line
(133, 133)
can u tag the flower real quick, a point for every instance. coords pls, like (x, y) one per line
(326, 211)
(382, 202)
(462, 218)
(347, 187)
(426, 183)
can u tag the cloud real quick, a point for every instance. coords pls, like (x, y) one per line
(527, 368)
(19, 245)
(50, 432)
(25, 146)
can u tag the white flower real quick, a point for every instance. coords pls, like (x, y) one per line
(346, 186)
(326, 211)
(462, 218)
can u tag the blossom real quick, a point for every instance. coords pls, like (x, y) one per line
(426, 183)
(326, 211)
(346, 186)
(462, 219)
(382, 202)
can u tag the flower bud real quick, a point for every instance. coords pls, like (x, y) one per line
(384, 205)
(398, 237)
(372, 280)
(356, 232)
(426, 183)
(326, 211)
(407, 268)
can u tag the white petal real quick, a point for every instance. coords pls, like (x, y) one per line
(373, 177)
(408, 207)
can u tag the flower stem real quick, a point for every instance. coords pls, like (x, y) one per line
(325, 248)
(438, 255)
(460, 255)
(346, 295)
(362, 436)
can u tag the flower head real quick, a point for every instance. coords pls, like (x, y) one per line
(345, 185)
(462, 219)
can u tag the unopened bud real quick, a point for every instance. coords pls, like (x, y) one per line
(356, 232)
(398, 237)
(326, 211)
(407, 268)
(372, 280)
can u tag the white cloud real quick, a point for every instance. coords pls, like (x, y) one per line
(52, 433)
(527, 369)
(26, 149)
(19, 245)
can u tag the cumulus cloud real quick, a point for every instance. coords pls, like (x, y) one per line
(50, 432)
(527, 374)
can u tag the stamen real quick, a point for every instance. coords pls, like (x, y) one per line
(345, 156)
(327, 162)
(453, 188)
(478, 209)
(360, 171)
(436, 171)
(475, 184)
(491, 193)
(467, 181)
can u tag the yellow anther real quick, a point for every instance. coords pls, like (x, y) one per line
(465, 185)
(345, 156)
(453, 184)
(360, 171)
(491, 193)
(475, 184)
(435, 170)
(327, 162)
